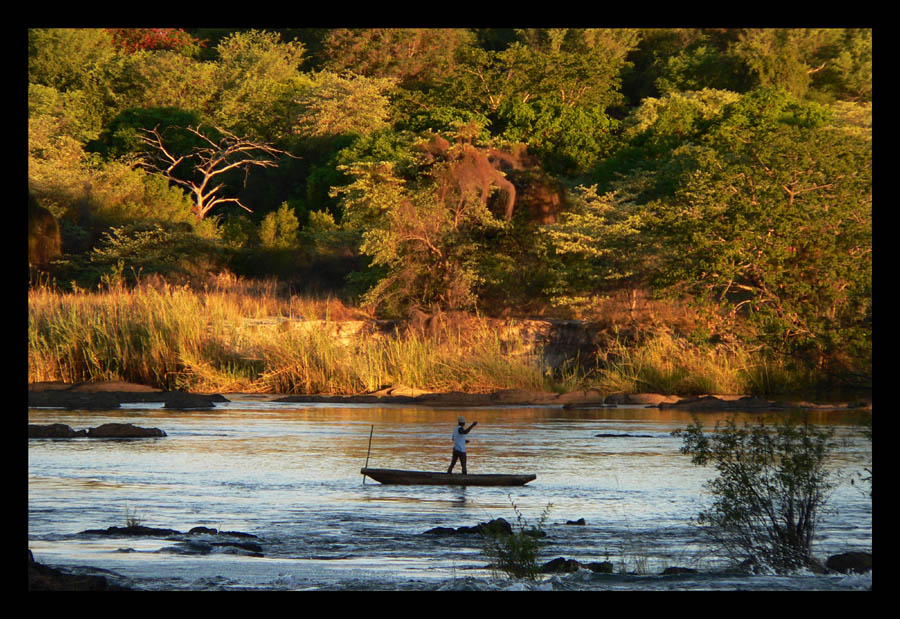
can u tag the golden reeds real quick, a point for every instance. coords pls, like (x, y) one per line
(221, 340)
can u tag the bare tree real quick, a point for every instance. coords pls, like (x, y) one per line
(200, 169)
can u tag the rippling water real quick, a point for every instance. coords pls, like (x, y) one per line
(289, 474)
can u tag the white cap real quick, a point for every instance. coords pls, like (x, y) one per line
(460, 419)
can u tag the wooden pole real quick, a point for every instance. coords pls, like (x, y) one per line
(369, 451)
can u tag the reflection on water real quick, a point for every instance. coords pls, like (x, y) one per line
(289, 474)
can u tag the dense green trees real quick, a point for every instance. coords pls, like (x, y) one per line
(488, 169)
(771, 212)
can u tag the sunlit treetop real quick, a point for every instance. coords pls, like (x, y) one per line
(135, 39)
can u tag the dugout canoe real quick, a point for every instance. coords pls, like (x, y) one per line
(427, 478)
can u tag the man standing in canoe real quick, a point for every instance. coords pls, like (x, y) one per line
(459, 444)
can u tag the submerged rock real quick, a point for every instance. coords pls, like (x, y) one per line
(675, 570)
(187, 543)
(211, 531)
(496, 526)
(198, 547)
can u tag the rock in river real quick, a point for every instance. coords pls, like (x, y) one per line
(848, 562)
(53, 430)
(44, 578)
(106, 430)
(123, 430)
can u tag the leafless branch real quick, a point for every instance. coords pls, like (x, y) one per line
(212, 158)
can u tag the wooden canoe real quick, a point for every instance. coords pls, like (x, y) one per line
(426, 478)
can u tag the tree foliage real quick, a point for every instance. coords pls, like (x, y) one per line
(731, 166)
(413, 57)
(135, 39)
(257, 79)
(279, 229)
(334, 105)
(771, 212)
(423, 233)
(595, 247)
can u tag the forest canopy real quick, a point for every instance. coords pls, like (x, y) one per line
(500, 171)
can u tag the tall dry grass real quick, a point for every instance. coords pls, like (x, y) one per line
(175, 338)
(670, 365)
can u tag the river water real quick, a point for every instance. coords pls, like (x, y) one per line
(290, 475)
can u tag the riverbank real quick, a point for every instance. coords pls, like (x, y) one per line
(111, 394)
(230, 342)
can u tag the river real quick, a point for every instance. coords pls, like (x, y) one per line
(290, 475)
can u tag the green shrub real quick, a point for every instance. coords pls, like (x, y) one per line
(771, 488)
(516, 553)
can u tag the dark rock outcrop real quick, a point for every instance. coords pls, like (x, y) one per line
(674, 571)
(63, 398)
(753, 403)
(600, 567)
(850, 562)
(211, 531)
(123, 430)
(561, 565)
(132, 531)
(188, 543)
(44, 578)
(54, 430)
(107, 430)
(493, 527)
(181, 400)
(204, 547)
(105, 395)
